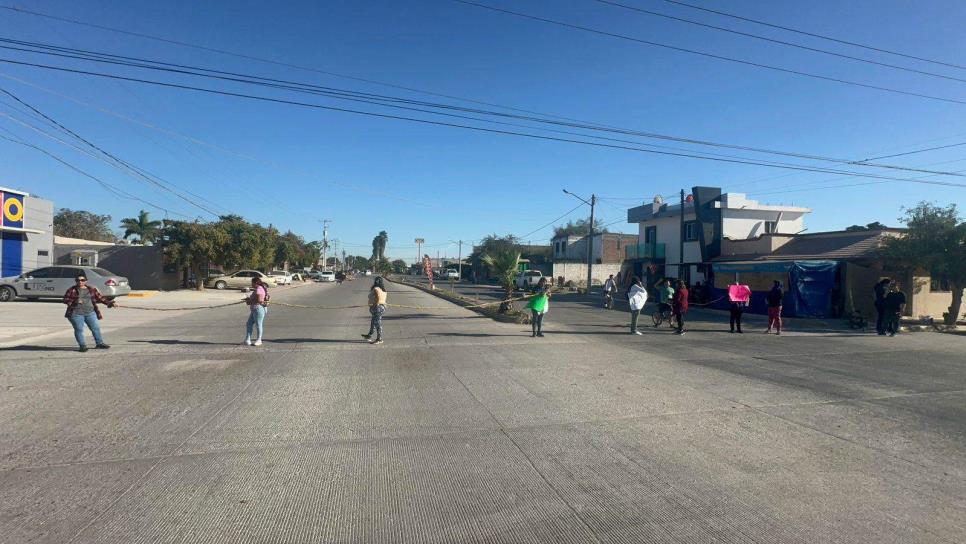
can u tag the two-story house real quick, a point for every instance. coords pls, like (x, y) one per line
(668, 247)
(607, 253)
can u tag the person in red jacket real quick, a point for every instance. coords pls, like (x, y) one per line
(680, 305)
(82, 300)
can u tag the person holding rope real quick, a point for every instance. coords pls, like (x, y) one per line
(82, 300)
(679, 305)
(738, 295)
(258, 306)
(774, 299)
(377, 307)
(539, 305)
(637, 297)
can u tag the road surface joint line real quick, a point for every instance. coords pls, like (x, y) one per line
(158, 462)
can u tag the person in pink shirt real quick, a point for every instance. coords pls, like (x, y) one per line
(739, 295)
(258, 306)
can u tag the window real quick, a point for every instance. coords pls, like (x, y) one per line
(937, 285)
(40, 273)
(42, 253)
(771, 227)
(650, 235)
(690, 231)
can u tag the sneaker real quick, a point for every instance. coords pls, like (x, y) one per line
(366, 336)
(82, 349)
(102, 346)
(247, 342)
(779, 333)
(257, 343)
(681, 333)
(639, 333)
(732, 331)
(540, 334)
(768, 331)
(376, 341)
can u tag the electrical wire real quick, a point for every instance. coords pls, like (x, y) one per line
(710, 55)
(815, 35)
(467, 127)
(780, 42)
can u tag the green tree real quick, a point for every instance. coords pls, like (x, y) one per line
(249, 245)
(935, 243)
(192, 244)
(503, 264)
(578, 228)
(491, 244)
(871, 226)
(289, 249)
(147, 231)
(379, 244)
(399, 266)
(83, 224)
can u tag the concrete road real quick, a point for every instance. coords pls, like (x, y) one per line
(460, 429)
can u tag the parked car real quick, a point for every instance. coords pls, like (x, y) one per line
(527, 279)
(211, 272)
(281, 277)
(326, 276)
(239, 280)
(314, 274)
(452, 274)
(54, 281)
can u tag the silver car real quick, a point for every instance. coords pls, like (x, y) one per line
(54, 281)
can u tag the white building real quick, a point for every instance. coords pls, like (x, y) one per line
(26, 232)
(711, 219)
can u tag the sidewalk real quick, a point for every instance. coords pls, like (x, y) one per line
(23, 322)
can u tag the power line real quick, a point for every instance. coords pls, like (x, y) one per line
(467, 127)
(382, 100)
(538, 229)
(815, 35)
(779, 42)
(709, 55)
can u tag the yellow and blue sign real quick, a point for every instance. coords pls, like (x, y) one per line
(11, 210)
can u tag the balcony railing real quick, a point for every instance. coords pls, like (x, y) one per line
(644, 251)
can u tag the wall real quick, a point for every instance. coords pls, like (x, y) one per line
(143, 266)
(743, 224)
(754, 246)
(926, 302)
(577, 272)
(38, 215)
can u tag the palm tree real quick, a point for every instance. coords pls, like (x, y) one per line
(383, 239)
(503, 264)
(142, 227)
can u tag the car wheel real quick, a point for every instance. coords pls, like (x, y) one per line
(220, 285)
(7, 294)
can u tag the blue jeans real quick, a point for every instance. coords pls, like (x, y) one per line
(78, 322)
(257, 319)
(375, 323)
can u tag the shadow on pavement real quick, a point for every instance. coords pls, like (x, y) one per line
(312, 341)
(184, 342)
(38, 348)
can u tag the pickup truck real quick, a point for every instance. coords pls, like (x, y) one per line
(527, 279)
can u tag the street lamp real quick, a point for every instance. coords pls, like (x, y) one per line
(590, 233)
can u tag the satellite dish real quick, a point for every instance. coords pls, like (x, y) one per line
(658, 199)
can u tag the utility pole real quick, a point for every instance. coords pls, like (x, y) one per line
(460, 259)
(590, 235)
(325, 242)
(419, 251)
(343, 261)
(681, 247)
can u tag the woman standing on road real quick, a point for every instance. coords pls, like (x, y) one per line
(82, 300)
(774, 298)
(377, 307)
(680, 305)
(538, 305)
(637, 297)
(258, 308)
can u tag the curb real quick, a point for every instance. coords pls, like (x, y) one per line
(502, 318)
(142, 294)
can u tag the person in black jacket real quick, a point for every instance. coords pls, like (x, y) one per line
(881, 289)
(893, 304)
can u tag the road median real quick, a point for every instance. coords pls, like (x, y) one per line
(489, 310)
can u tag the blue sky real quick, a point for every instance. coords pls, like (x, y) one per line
(292, 166)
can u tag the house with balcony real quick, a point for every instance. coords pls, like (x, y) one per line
(678, 240)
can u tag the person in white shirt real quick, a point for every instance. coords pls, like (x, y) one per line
(637, 297)
(610, 288)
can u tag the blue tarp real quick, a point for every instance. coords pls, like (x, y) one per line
(808, 290)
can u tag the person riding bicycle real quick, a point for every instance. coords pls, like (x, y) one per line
(665, 293)
(610, 287)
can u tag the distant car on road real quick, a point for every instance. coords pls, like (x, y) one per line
(239, 280)
(452, 274)
(54, 281)
(281, 277)
(527, 279)
(326, 276)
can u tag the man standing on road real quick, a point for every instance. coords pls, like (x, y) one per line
(82, 300)
(881, 289)
(893, 304)
(739, 295)
(680, 305)
(637, 297)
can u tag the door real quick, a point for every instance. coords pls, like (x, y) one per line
(39, 283)
(63, 278)
(241, 280)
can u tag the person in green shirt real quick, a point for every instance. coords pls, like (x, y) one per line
(665, 293)
(538, 305)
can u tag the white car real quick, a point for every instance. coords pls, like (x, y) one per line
(452, 275)
(326, 276)
(281, 277)
(527, 279)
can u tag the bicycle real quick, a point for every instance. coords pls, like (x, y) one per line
(662, 314)
(609, 300)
